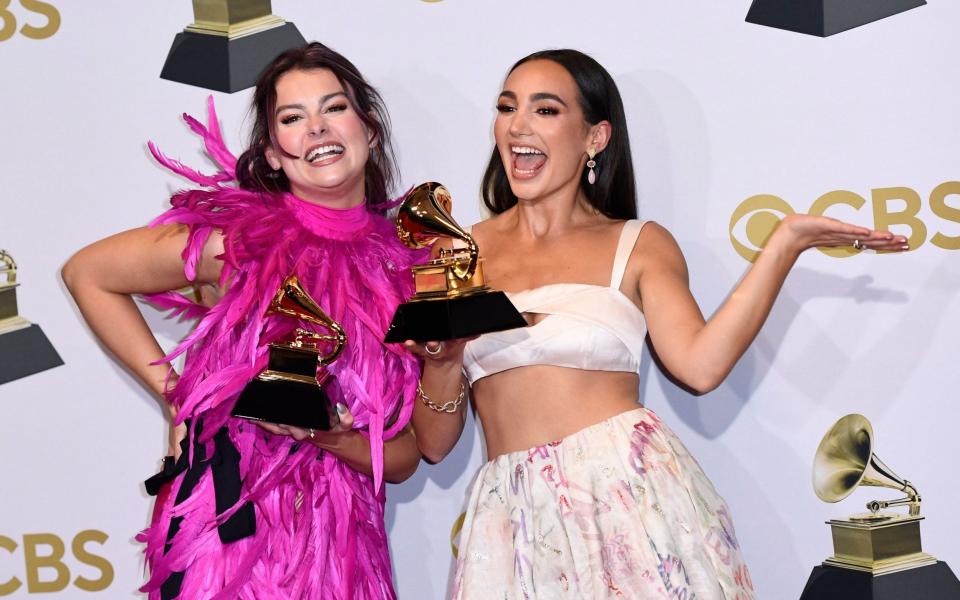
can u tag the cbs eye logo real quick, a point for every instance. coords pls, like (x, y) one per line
(9, 25)
(756, 217)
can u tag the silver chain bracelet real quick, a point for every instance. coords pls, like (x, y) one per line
(450, 406)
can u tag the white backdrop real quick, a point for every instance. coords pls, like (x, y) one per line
(719, 111)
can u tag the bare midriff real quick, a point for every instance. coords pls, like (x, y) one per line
(530, 406)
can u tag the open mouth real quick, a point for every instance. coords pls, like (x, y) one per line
(319, 153)
(527, 160)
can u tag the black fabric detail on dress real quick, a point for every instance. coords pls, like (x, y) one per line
(225, 469)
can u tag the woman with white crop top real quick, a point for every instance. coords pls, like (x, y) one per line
(587, 495)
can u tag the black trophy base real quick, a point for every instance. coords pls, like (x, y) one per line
(824, 17)
(218, 63)
(288, 402)
(25, 352)
(451, 318)
(932, 582)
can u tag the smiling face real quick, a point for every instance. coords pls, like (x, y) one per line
(322, 145)
(541, 133)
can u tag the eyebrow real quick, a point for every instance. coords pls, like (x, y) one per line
(323, 101)
(534, 97)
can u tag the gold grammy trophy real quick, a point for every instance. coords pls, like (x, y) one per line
(881, 549)
(291, 389)
(451, 299)
(229, 44)
(24, 348)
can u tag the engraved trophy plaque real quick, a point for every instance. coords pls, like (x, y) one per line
(291, 389)
(451, 299)
(877, 555)
(24, 348)
(229, 44)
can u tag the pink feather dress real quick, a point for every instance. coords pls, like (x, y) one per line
(304, 524)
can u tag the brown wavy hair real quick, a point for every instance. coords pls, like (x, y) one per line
(380, 172)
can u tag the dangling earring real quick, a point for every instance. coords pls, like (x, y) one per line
(592, 175)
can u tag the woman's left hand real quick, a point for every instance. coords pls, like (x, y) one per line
(343, 425)
(802, 232)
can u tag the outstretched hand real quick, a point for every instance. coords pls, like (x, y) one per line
(343, 424)
(811, 231)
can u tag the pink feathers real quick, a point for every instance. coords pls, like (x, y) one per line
(320, 531)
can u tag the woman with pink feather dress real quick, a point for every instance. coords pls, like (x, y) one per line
(270, 511)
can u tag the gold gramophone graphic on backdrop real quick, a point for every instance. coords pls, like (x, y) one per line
(876, 555)
(291, 389)
(24, 348)
(10, 319)
(451, 298)
(229, 44)
(877, 542)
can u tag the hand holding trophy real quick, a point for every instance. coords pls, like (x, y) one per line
(451, 300)
(291, 389)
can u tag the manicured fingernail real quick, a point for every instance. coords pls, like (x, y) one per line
(905, 247)
(341, 408)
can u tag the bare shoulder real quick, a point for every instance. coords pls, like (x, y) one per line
(657, 251)
(488, 231)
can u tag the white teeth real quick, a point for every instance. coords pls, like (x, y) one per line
(524, 150)
(322, 152)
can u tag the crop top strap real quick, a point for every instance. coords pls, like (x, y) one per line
(628, 239)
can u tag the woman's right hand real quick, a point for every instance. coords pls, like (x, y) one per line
(176, 435)
(439, 353)
(442, 384)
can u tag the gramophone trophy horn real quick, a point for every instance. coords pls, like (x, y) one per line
(24, 348)
(877, 555)
(291, 389)
(451, 299)
(424, 218)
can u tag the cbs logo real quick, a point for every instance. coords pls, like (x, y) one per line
(43, 553)
(8, 20)
(756, 217)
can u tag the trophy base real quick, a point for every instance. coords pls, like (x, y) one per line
(287, 402)
(824, 17)
(878, 544)
(451, 318)
(932, 582)
(217, 62)
(25, 351)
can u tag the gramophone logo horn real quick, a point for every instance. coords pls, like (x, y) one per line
(845, 461)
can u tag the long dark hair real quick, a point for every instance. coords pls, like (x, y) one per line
(380, 172)
(614, 193)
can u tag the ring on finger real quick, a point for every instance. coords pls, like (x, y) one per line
(437, 349)
(857, 245)
(311, 433)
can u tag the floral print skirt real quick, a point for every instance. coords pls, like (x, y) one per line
(619, 509)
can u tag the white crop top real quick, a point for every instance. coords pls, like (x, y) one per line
(585, 326)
